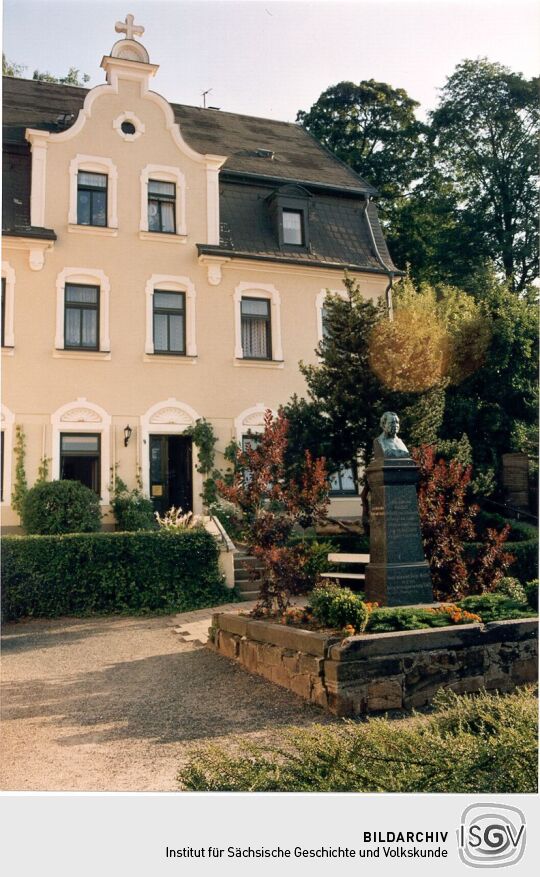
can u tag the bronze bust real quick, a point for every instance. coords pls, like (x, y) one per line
(388, 444)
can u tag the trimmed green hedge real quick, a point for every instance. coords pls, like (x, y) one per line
(84, 573)
(522, 543)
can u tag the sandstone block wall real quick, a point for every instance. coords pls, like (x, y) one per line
(377, 672)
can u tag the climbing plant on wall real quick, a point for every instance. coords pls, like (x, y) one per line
(20, 488)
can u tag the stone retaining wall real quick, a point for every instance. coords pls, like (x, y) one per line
(385, 671)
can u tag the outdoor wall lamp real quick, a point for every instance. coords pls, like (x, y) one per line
(127, 435)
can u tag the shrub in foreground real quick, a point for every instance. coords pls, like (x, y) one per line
(496, 607)
(338, 607)
(132, 510)
(52, 507)
(388, 618)
(485, 743)
(110, 572)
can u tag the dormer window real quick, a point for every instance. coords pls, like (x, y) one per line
(289, 210)
(91, 198)
(293, 232)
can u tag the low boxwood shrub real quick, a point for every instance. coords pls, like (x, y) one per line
(52, 507)
(481, 744)
(388, 618)
(338, 607)
(496, 607)
(110, 572)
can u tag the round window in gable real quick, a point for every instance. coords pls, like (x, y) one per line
(128, 126)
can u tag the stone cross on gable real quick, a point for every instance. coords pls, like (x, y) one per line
(129, 28)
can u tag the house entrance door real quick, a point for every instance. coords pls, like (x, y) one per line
(170, 472)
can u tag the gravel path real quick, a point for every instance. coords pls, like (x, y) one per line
(112, 704)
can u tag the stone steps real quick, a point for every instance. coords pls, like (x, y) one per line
(245, 567)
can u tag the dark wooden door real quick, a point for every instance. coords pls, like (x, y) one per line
(171, 472)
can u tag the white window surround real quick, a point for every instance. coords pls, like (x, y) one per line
(251, 420)
(8, 272)
(91, 277)
(7, 424)
(171, 283)
(128, 116)
(165, 175)
(319, 305)
(169, 417)
(83, 416)
(259, 290)
(98, 165)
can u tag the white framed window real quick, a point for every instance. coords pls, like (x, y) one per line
(93, 193)
(163, 201)
(170, 315)
(82, 280)
(81, 445)
(257, 328)
(7, 421)
(8, 305)
(343, 482)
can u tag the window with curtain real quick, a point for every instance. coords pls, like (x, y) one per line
(81, 317)
(161, 206)
(293, 232)
(342, 483)
(169, 322)
(91, 198)
(256, 336)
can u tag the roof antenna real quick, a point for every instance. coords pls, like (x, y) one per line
(204, 93)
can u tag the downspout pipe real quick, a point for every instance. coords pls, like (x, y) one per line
(388, 271)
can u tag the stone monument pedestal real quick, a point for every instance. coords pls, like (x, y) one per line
(398, 573)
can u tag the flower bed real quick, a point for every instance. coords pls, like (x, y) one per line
(372, 672)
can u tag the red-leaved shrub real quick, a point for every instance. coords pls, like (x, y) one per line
(447, 523)
(272, 504)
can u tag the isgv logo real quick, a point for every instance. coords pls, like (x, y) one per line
(491, 835)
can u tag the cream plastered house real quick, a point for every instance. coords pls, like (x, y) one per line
(162, 263)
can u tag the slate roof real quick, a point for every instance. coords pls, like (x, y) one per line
(338, 231)
(338, 234)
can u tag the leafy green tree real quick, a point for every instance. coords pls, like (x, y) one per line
(434, 235)
(372, 127)
(369, 364)
(486, 135)
(11, 68)
(496, 405)
(72, 77)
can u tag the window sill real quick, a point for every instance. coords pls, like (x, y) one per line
(163, 357)
(8, 351)
(259, 363)
(103, 231)
(164, 237)
(337, 496)
(103, 355)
